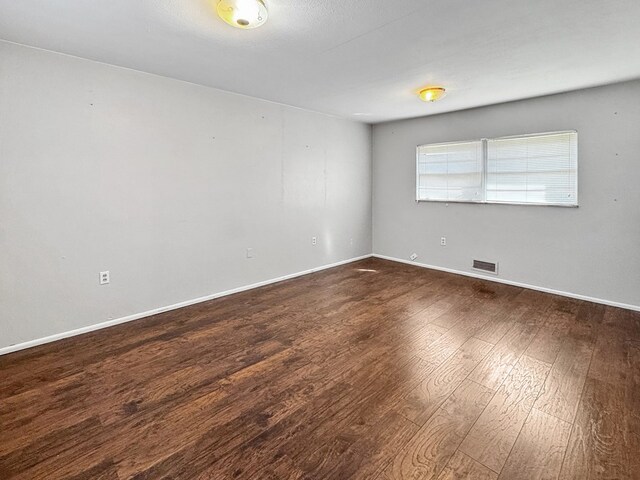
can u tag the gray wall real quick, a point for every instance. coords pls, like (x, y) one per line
(164, 184)
(593, 250)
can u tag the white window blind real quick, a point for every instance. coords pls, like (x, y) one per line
(539, 169)
(450, 172)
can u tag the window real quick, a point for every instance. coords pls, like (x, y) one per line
(450, 172)
(539, 169)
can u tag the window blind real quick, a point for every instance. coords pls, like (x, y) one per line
(537, 169)
(450, 172)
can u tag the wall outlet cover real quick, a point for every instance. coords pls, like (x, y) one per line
(105, 277)
(413, 256)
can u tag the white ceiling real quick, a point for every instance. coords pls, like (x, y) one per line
(348, 57)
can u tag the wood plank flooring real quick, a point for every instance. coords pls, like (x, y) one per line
(372, 370)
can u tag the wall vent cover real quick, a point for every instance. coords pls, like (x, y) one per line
(491, 267)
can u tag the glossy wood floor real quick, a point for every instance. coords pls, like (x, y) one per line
(372, 370)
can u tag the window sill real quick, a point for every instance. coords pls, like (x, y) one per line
(562, 205)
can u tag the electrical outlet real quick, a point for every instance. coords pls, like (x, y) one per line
(104, 278)
(413, 256)
(250, 253)
(314, 240)
(443, 241)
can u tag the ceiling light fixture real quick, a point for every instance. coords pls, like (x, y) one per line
(243, 13)
(431, 94)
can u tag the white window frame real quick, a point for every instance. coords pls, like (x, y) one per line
(485, 158)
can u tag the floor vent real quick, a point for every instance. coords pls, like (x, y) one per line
(485, 266)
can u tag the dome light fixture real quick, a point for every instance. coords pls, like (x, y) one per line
(431, 94)
(243, 14)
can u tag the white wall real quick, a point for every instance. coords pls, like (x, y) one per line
(593, 250)
(163, 183)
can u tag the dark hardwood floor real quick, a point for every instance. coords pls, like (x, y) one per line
(372, 370)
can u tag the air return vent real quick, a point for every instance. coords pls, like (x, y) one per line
(485, 266)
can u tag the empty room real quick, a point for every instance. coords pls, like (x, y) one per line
(319, 239)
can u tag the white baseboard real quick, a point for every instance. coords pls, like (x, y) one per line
(492, 278)
(155, 311)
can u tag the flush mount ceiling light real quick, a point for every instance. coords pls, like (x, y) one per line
(243, 13)
(431, 94)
